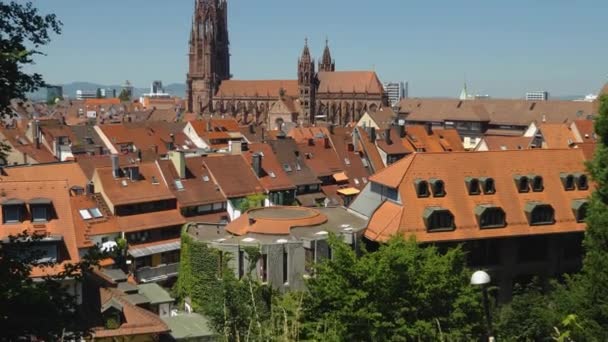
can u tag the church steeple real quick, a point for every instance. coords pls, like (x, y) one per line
(209, 53)
(326, 63)
(307, 84)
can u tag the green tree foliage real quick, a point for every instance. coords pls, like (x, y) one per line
(23, 31)
(43, 308)
(401, 292)
(252, 201)
(125, 95)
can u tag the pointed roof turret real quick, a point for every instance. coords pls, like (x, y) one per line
(326, 63)
(306, 58)
(464, 95)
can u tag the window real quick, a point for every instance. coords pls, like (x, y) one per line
(582, 182)
(285, 267)
(472, 185)
(310, 258)
(490, 216)
(241, 263)
(567, 181)
(438, 219)
(539, 213)
(537, 183)
(488, 185)
(422, 188)
(12, 213)
(579, 209)
(522, 183)
(39, 213)
(438, 187)
(264, 268)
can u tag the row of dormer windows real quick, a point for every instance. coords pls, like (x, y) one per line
(39, 210)
(487, 186)
(438, 219)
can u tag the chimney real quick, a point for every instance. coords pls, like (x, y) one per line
(172, 137)
(36, 133)
(251, 129)
(257, 164)
(115, 166)
(372, 134)
(235, 147)
(139, 155)
(387, 136)
(311, 142)
(429, 128)
(90, 189)
(401, 131)
(326, 142)
(178, 158)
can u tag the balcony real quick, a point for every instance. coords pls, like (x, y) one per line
(153, 274)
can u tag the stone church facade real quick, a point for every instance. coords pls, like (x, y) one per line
(320, 93)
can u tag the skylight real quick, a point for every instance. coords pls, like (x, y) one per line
(272, 175)
(287, 168)
(85, 214)
(356, 181)
(96, 212)
(179, 185)
(346, 161)
(205, 178)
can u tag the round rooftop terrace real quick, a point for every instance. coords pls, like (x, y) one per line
(275, 220)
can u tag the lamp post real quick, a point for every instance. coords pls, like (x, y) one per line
(481, 278)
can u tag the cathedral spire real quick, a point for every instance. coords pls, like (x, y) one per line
(326, 63)
(306, 58)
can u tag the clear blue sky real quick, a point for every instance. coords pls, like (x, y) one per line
(502, 47)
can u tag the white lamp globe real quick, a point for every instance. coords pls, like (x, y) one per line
(480, 278)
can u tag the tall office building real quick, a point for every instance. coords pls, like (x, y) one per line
(537, 96)
(396, 91)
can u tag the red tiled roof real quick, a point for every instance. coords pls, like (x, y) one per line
(270, 164)
(256, 88)
(349, 82)
(556, 135)
(275, 220)
(233, 175)
(502, 143)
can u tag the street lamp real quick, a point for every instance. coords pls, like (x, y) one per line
(481, 278)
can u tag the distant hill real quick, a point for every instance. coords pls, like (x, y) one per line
(69, 90)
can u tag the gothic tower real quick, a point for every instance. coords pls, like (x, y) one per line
(307, 83)
(326, 63)
(209, 56)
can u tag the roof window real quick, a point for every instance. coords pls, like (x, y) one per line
(579, 209)
(438, 219)
(582, 181)
(539, 213)
(13, 211)
(437, 187)
(422, 188)
(522, 183)
(488, 185)
(472, 186)
(537, 183)
(490, 216)
(567, 181)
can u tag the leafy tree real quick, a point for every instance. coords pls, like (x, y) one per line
(42, 309)
(125, 95)
(401, 292)
(23, 31)
(252, 201)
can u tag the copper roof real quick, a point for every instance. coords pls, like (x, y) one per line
(275, 220)
(452, 168)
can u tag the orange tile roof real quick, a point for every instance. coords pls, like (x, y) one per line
(320, 158)
(502, 166)
(349, 82)
(85, 229)
(102, 102)
(17, 139)
(233, 174)
(370, 150)
(157, 219)
(586, 129)
(302, 134)
(147, 136)
(138, 321)
(351, 161)
(275, 220)
(270, 163)
(60, 225)
(384, 222)
(556, 135)
(69, 172)
(256, 88)
(135, 191)
(501, 143)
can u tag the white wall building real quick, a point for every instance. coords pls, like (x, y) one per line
(537, 96)
(396, 91)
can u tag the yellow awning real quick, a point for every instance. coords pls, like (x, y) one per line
(349, 191)
(341, 177)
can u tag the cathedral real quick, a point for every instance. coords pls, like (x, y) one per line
(319, 94)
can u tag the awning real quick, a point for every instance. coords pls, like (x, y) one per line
(155, 249)
(340, 177)
(349, 191)
(40, 200)
(13, 201)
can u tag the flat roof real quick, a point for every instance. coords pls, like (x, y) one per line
(155, 293)
(190, 325)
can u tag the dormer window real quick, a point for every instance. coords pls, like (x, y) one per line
(579, 209)
(438, 219)
(472, 185)
(582, 182)
(522, 183)
(490, 216)
(537, 183)
(438, 187)
(488, 185)
(539, 213)
(422, 188)
(40, 209)
(567, 181)
(13, 211)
